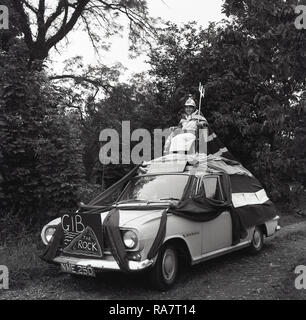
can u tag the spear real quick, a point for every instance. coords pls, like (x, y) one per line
(202, 95)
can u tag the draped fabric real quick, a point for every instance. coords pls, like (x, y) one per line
(160, 237)
(103, 198)
(51, 250)
(117, 247)
(201, 209)
(111, 227)
(215, 147)
(251, 201)
(254, 215)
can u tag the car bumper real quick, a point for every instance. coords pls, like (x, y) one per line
(103, 264)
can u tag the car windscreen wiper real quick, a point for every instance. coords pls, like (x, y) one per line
(170, 198)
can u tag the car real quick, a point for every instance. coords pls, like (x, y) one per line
(155, 235)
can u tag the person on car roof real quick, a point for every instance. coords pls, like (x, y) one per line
(191, 119)
(183, 138)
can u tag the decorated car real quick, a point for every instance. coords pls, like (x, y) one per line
(175, 208)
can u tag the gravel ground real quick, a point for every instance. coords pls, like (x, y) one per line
(240, 275)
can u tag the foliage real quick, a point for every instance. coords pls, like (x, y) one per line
(253, 68)
(43, 117)
(101, 102)
(41, 152)
(122, 103)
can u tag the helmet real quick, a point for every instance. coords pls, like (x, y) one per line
(190, 102)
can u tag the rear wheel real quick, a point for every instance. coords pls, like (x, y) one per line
(257, 240)
(165, 271)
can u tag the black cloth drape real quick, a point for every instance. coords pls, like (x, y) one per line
(111, 227)
(159, 239)
(202, 209)
(101, 200)
(255, 215)
(117, 247)
(51, 250)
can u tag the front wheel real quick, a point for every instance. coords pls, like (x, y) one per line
(257, 240)
(165, 271)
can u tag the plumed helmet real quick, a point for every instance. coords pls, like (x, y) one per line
(190, 102)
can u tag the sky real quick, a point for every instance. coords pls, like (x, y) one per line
(177, 11)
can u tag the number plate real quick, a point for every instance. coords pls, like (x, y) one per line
(75, 269)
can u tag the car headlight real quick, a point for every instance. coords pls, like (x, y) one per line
(130, 239)
(48, 235)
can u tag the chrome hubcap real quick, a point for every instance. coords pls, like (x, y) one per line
(169, 264)
(256, 239)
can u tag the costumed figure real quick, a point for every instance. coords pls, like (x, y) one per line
(182, 139)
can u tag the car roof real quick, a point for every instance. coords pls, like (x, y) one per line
(196, 164)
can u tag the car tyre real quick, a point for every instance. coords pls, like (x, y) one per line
(257, 240)
(165, 271)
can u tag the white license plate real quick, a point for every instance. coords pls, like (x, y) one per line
(75, 269)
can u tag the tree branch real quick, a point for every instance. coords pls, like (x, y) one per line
(64, 30)
(66, 14)
(94, 82)
(104, 12)
(90, 35)
(41, 31)
(55, 14)
(25, 26)
(26, 3)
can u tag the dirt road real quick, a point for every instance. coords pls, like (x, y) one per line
(268, 275)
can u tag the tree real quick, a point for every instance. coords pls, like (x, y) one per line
(41, 151)
(41, 116)
(253, 68)
(135, 103)
(54, 20)
(276, 54)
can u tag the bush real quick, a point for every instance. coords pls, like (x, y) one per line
(41, 168)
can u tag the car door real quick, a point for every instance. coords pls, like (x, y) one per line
(217, 233)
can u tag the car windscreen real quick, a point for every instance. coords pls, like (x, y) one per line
(155, 188)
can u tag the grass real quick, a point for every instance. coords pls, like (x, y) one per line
(21, 256)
